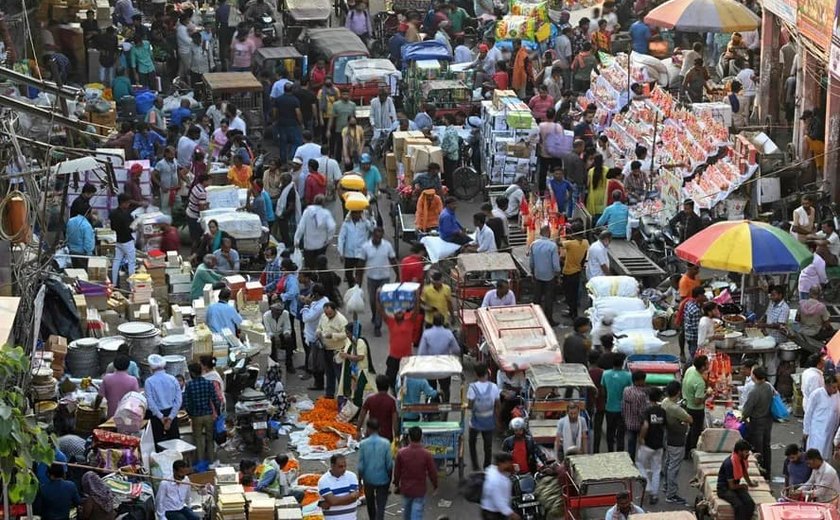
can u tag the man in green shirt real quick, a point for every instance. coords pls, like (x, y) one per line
(694, 392)
(677, 421)
(341, 112)
(204, 274)
(457, 17)
(614, 382)
(141, 62)
(121, 86)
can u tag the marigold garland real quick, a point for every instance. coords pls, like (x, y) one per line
(327, 440)
(325, 410)
(310, 497)
(291, 465)
(310, 479)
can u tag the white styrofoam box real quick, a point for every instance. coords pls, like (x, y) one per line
(769, 190)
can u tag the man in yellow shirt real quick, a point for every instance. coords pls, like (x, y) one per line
(437, 299)
(239, 173)
(574, 251)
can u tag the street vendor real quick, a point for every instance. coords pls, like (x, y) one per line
(615, 217)
(687, 223)
(273, 480)
(450, 229)
(804, 219)
(828, 243)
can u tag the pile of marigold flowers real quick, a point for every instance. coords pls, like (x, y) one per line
(323, 418)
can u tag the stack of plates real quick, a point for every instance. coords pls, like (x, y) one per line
(44, 386)
(177, 345)
(108, 348)
(83, 358)
(176, 365)
(143, 340)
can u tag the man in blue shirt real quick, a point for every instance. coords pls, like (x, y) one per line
(562, 190)
(450, 229)
(163, 395)
(147, 142)
(370, 173)
(615, 217)
(222, 315)
(80, 238)
(640, 36)
(425, 120)
(545, 266)
(57, 496)
(179, 114)
(375, 467)
(395, 45)
(414, 389)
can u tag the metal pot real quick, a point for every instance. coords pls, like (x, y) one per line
(731, 338)
(788, 351)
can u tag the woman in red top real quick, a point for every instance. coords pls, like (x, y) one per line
(501, 78)
(317, 76)
(614, 182)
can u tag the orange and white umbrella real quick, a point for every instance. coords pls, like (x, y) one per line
(724, 16)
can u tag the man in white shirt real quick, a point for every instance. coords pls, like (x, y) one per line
(279, 331)
(308, 150)
(804, 219)
(186, 147)
(383, 114)
(515, 194)
(813, 275)
(279, 86)
(823, 476)
(812, 378)
(497, 489)
(173, 497)
(484, 236)
(339, 488)
(828, 242)
(598, 257)
(748, 77)
(623, 508)
(315, 230)
(501, 296)
(235, 118)
(500, 211)
(377, 257)
(571, 433)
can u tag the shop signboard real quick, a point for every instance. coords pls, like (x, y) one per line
(670, 189)
(784, 9)
(815, 20)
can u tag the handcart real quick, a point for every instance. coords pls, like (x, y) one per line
(799, 510)
(404, 229)
(241, 89)
(594, 480)
(548, 393)
(516, 337)
(473, 275)
(444, 439)
(660, 369)
(366, 75)
(273, 59)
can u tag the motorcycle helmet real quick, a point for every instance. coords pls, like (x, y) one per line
(517, 423)
(365, 158)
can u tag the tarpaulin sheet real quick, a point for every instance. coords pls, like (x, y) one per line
(430, 367)
(428, 50)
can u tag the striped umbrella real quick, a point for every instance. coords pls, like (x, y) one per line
(722, 16)
(743, 246)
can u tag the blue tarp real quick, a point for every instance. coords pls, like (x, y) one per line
(428, 50)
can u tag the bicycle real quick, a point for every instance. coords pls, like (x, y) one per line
(467, 183)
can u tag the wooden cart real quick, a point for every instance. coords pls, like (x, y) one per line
(595, 479)
(517, 337)
(243, 90)
(549, 391)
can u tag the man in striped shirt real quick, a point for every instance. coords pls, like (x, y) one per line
(339, 489)
(196, 202)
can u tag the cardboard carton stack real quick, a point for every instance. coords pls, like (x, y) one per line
(508, 151)
(261, 508)
(399, 296)
(405, 167)
(97, 269)
(231, 506)
(58, 346)
(141, 287)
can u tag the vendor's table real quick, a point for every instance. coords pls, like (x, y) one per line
(600, 470)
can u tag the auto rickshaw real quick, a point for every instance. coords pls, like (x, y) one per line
(272, 59)
(337, 46)
(300, 14)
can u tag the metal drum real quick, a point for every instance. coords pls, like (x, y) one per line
(108, 349)
(83, 358)
(143, 340)
(177, 345)
(176, 365)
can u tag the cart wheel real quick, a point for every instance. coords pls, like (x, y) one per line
(467, 183)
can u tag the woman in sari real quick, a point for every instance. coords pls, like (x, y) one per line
(98, 503)
(614, 182)
(597, 187)
(357, 372)
(212, 240)
(274, 390)
(219, 138)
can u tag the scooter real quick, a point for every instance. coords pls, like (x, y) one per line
(252, 413)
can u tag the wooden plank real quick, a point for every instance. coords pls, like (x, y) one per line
(232, 82)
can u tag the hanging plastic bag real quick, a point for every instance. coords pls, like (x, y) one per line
(778, 409)
(220, 430)
(297, 257)
(354, 299)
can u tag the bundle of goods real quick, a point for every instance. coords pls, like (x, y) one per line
(399, 296)
(713, 447)
(624, 286)
(112, 450)
(526, 21)
(141, 287)
(509, 135)
(130, 412)
(231, 506)
(629, 316)
(550, 494)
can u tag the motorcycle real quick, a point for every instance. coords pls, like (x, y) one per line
(252, 413)
(523, 500)
(659, 243)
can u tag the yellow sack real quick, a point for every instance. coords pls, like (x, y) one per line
(355, 201)
(352, 182)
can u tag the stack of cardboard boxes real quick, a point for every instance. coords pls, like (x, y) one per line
(509, 135)
(58, 346)
(413, 152)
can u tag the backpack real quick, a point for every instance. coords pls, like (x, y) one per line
(483, 417)
(556, 143)
(473, 487)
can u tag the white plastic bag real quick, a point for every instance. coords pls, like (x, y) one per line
(601, 286)
(617, 305)
(354, 299)
(633, 320)
(639, 342)
(297, 257)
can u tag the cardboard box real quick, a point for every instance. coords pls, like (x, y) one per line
(422, 156)
(57, 344)
(391, 170)
(107, 120)
(97, 268)
(499, 95)
(399, 141)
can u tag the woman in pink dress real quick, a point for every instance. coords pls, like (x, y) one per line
(219, 138)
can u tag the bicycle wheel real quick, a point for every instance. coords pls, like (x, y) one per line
(467, 183)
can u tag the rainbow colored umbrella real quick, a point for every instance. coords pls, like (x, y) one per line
(722, 16)
(743, 246)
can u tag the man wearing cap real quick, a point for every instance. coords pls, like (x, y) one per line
(163, 395)
(132, 187)
(598, 257)
(370, 173)
(815, 137)
(299, 174)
